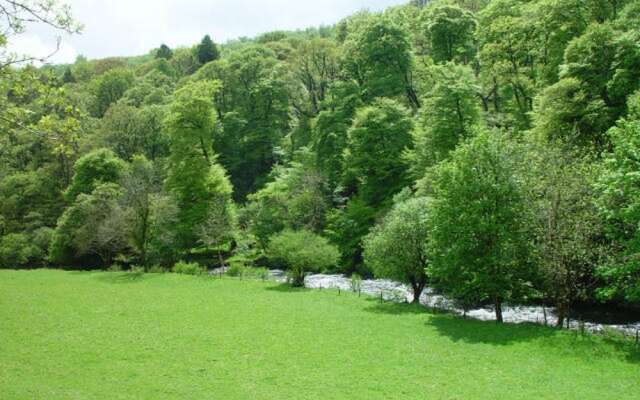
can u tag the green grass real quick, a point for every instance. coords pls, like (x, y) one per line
(74, 335)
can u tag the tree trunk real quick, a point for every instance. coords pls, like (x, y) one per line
(498, 307)
(562, 314)
(417, 291)
(221, 260)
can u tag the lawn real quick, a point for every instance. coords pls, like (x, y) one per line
(78, 335)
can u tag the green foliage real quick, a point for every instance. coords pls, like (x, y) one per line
(110, 87)
(93, 226)
(196, 181)
(379, 59)
(329, 136)
(346, 227)
(92, 169)
(377, 139)
(130, 130)
(619, 205)
(207, 51)
(396, 248)
(479, 243)
(253, 103)
(295, 199)
(568, 231)
(28, 200)
(188, 268)
(164, 52)
(450, 31)
(449, 115)
(302, 252)
(17, 250)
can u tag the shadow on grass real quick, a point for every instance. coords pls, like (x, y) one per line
(489, 332)
(391, 308)
(286, 288)
(124, 277)
(570, 343)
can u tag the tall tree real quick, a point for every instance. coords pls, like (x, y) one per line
(479, 241)
(164, 52)
(378, 56)
(194, 177)
(140, 184)
(568, 231)
(373, 158)
(207, 51)
(254, 108)
(450, 31)
(449, 115)
(619, 205)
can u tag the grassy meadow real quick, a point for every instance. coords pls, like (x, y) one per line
(96, 335)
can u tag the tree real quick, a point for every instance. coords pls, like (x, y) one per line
(449, 115)
(600, 71)
(110, 88)
(377, 139)
(16, 15)
(207, 51)
(330, 129)
(302, 252)
(379, 59)
(140, 184)
(253, 105)
(94, 225)
(568, 230)
(619, 205)
(296, 198)
(68, 77)
(129, 131)
(396, 248)
(164, 52)
(450, 31)
(92, 169)
(193, 178)
(219, 226)
(478, 242)
(316, 67)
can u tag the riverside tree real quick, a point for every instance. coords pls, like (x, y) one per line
(194, 178)
(302, 252)
(396, 248)
(479, 241)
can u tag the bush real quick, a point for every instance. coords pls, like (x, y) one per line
(156, 269)
(356, 283)
(236, 269)
(185, 268)
(302, 252)
(17, 250)
(240, 270)
(115, 267)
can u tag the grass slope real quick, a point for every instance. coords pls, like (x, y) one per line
(73, 335)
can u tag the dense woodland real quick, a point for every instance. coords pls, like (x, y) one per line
(488, 149)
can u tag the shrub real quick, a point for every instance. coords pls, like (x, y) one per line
(182, 267)
(236, 269)
(356, 283)
(115, 267)
(301, 252)
(17, 250)
(137, 269)
(156, 269)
